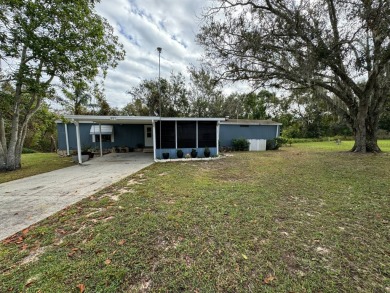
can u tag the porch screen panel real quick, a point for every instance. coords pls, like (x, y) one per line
(207, 134)
(167, 134)
(186, 134)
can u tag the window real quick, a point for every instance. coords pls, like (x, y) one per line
(148, 132)
(167, 134)
(207, 134)
(105, 138)
(107, 132)
(186, 134)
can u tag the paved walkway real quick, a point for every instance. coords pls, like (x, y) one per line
(29, 200)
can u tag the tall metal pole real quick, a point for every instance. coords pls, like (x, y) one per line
(159, 91)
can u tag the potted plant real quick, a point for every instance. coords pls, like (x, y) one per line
(194, 153)
(165, 156)
(179, 154)
(206, 152)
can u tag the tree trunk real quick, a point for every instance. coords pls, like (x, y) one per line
(11, 163)
(3, 146)
(372, 124)
(365, 132)
(360, 131)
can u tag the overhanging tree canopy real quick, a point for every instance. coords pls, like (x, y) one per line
(41, 40)
(339, 49)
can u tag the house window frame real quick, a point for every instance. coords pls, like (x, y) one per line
(95, 137)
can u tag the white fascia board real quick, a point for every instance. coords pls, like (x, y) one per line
(111, 119)
(124, 119)
(247, 123)
(191, 119)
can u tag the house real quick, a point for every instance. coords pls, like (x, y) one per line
(157, 134)
(252, 130)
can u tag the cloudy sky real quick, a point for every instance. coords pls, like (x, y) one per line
(144, 25)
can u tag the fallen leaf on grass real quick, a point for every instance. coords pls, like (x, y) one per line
(61, 231)
(74, 250)
(25, 231)
(267, 280)
(81, 287)
(20, 240)
(107, 261)
(24, 247)
(244, 256)
(121, 242)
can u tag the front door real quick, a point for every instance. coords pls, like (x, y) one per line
(148, 135)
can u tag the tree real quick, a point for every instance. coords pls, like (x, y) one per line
(255, 105)
(146, 97)
(77, 97)
(42, 130)
(338, 49)
(42, 40)
(206, 96)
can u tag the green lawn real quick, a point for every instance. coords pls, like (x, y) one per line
(301, 219)
(333, 147)
(36, 163)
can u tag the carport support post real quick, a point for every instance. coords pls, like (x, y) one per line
(67, 139)
(100, 139)
(218, 138)
(78, 141)
(154, 139)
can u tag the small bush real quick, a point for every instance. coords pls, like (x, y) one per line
(28, 151)
(240, 144)
(281, 140)
(272, 144)
(277, 142)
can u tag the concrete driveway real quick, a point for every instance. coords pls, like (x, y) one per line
(29, 200)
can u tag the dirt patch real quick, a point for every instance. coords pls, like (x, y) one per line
(34, 255)
(292, 265)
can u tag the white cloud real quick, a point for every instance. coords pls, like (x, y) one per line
(142, 26)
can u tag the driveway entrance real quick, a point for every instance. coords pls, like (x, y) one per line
(29, 200)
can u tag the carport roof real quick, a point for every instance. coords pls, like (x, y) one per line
(132, 119)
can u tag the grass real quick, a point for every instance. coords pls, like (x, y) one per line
(36, 163)
(301, 219)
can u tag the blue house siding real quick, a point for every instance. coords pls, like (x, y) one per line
(130, 135)
(228, 132)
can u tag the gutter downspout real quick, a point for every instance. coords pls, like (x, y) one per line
(78, 141)
(67, 139)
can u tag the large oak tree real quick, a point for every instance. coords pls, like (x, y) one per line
(339, 49)
(42, 41)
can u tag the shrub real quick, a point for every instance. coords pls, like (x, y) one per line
(272, 144)
(277, 142)
(28, 151)
(281, 140)
(240, 144)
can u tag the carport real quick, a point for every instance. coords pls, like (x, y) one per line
(102, 126)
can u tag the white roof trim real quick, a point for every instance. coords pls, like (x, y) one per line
(106, 129)
(248, 123)
(133, 119)
(190, 119)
